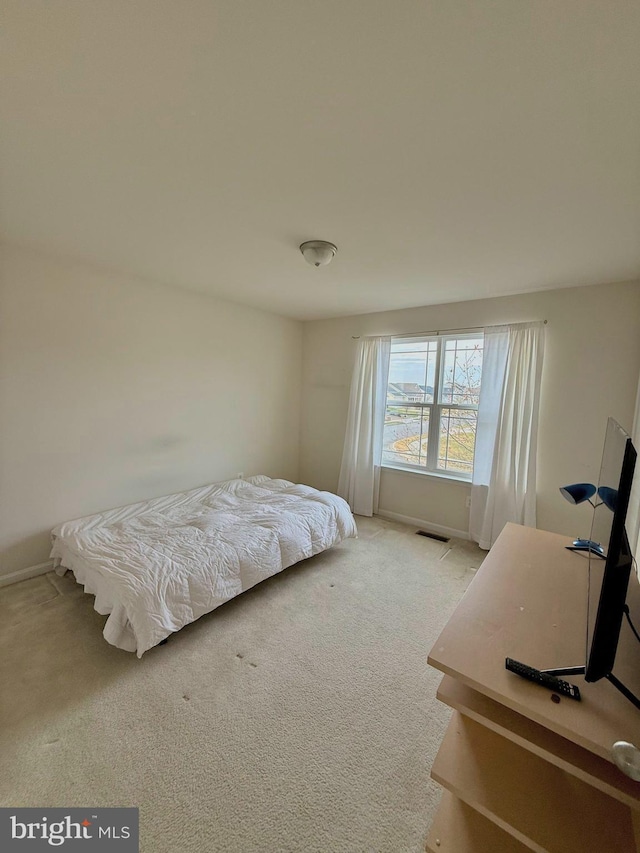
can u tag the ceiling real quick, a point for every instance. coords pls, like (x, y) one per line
(451, 150)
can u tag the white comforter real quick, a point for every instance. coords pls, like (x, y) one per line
(158, 565)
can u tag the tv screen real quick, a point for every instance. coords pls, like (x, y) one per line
(609, 578)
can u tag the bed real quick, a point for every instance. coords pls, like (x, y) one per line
(158, 565)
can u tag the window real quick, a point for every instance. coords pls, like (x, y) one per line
(432, 404)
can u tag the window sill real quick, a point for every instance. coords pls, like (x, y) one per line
(436, 475)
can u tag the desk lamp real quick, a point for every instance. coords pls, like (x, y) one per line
(578, 493)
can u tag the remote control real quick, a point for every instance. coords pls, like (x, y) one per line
(552, 682)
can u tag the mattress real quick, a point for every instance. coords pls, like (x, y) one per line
(158, 565)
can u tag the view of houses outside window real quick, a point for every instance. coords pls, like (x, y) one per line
(432, 403)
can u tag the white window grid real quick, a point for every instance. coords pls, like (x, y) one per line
(435, 408)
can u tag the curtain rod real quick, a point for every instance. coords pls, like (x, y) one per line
(451, 331)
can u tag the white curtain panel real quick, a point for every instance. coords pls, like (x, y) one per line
(504, 472)
(359, 482)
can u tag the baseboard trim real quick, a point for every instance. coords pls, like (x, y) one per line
(25, 574)
(423, 524)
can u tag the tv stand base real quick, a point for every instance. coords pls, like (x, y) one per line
(581, 670)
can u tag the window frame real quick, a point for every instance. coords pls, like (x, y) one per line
(435, 408)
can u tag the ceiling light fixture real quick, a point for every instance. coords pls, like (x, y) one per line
(318, 252)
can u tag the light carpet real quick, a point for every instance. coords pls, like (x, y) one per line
(301, 716)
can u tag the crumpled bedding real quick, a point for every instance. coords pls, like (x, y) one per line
(158, 565)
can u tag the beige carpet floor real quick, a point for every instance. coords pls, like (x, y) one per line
(301, 716)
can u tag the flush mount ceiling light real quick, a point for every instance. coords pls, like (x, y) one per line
(318, 252)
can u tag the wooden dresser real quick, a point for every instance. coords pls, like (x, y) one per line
(522, 770)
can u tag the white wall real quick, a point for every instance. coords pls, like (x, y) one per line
(592, 362)
(114, 390)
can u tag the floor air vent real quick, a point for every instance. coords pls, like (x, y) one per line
(432, 536)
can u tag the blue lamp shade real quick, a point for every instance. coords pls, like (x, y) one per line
(578, 492)
(609, 497)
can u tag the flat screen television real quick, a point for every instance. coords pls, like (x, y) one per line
(608, 584)
(610, 565)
